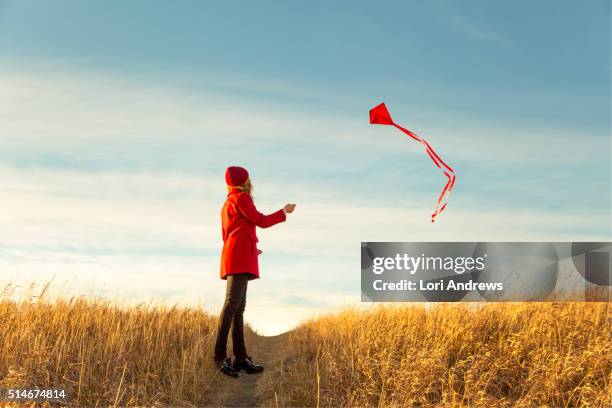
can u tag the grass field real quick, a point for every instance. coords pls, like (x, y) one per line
(107, 355)
(554, 355)
(514, 355)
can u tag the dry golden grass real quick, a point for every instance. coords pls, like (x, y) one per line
(107, 355)
(490, 355)
(485, 355)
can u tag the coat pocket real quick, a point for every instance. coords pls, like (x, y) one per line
(253, 241)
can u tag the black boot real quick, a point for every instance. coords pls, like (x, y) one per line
(248, 366)
(226, 368)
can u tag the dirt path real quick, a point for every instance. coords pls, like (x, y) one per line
(241, 391)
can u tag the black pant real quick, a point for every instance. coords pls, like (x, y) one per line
(231, 315)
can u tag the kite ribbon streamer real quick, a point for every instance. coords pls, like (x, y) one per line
(379, 115)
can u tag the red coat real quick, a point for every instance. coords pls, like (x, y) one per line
(239, 218)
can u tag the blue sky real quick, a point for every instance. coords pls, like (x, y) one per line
(117, 120)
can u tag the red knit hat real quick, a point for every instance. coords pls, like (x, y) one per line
(236, 176)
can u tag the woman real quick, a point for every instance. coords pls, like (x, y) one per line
(239, 265)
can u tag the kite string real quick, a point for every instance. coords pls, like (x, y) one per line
(447, 170)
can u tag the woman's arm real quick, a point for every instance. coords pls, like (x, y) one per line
(247, 208)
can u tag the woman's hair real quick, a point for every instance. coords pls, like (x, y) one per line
(247, 187)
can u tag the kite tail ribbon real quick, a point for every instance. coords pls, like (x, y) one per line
(380, 115)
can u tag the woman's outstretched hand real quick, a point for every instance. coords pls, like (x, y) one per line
(289, 208)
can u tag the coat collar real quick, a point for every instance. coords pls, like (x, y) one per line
(234, 190)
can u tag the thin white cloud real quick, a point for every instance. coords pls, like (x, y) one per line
(471, 29)
(118, 210)
(464, 25)
(98, 116)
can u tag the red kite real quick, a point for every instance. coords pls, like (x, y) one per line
(379, 115)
